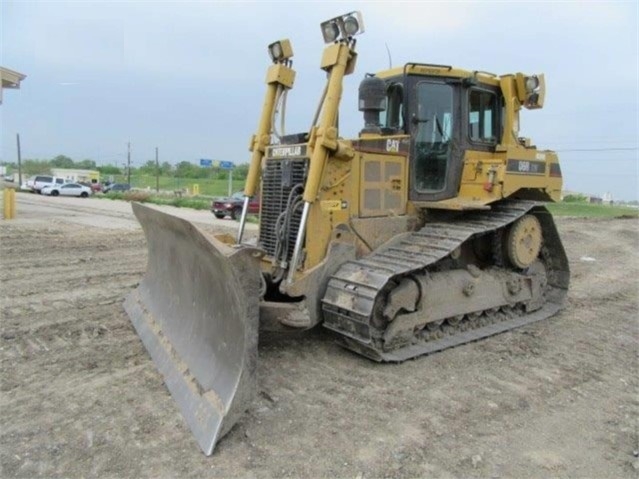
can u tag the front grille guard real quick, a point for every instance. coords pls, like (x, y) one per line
(280, 215)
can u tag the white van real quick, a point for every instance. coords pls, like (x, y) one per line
(36, 183)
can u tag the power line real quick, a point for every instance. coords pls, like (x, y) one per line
(599, 149)
(563, 158)
(591, 139)
(585, 173)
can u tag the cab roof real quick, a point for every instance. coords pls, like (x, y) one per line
(427, 69)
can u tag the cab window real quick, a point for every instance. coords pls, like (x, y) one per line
(393, 117)
(482, 116)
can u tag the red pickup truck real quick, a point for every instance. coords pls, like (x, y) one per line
(232, 206)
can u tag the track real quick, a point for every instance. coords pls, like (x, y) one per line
(354, 292)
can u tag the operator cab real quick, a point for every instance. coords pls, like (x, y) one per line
(444, 116)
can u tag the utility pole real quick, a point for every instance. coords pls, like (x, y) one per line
(157, 171)
(19, 161)
(128, 164)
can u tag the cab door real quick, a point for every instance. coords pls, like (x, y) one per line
(435, 157)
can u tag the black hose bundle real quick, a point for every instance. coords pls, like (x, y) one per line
(283, 225)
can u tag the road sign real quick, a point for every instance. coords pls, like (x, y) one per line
(206, 162)
(227, 165)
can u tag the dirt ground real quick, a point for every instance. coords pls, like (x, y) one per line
(80, 397)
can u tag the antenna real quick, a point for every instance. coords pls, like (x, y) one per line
(390, 60)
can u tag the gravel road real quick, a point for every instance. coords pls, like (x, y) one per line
(81, 398)
(104, 213)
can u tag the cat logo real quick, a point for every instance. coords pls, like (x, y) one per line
(392, 146)
(286, 151)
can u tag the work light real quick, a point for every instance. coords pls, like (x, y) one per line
(280, 50)
(330, 31)
(532, 83)
(346, 26)
(351, 25)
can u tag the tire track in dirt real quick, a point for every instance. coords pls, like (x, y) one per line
(64, 329)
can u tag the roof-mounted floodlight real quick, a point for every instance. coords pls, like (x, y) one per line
(532, 83)
(280, 50)
(330, 31)
(346, 26)
(531, 90)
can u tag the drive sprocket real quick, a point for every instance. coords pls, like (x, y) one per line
(524, 241)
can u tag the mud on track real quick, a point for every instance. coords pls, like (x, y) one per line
(81, 398)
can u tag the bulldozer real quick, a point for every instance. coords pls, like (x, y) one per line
(425, 232)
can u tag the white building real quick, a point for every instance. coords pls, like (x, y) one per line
(74, 175)
(607, 198)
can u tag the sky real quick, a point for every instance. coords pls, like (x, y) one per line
(188, 77)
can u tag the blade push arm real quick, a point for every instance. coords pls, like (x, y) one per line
(279, 77)
(338, 60)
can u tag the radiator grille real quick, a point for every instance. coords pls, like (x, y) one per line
(278, 179)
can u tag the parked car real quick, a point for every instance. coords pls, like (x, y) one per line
(67, 189)
(94, 185)
(36, 183)
(232, 206)
(116, 187)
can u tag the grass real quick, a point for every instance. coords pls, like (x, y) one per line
(586, 210)
(578, 209)
(207, 186)
(196, 203)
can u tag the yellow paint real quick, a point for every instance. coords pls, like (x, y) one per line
(331, 205)
(323, 138)
(383, 185)
(9, 203)
(279, 77)
(334, 207)
(345, 185)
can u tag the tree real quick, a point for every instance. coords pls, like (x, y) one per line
(184, 169)
(62, 161)
(148, 168)
(240, 172)
(575, 198)
(86, 165)
(166, 168)
(36, 167)
(109, 170)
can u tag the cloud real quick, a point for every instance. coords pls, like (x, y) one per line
(419, 18)
(189, 76)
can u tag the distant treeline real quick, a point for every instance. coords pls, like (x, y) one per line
(184, 169)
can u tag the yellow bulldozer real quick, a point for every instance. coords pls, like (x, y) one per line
(426, 231)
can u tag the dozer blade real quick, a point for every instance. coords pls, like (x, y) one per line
(196, 311)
